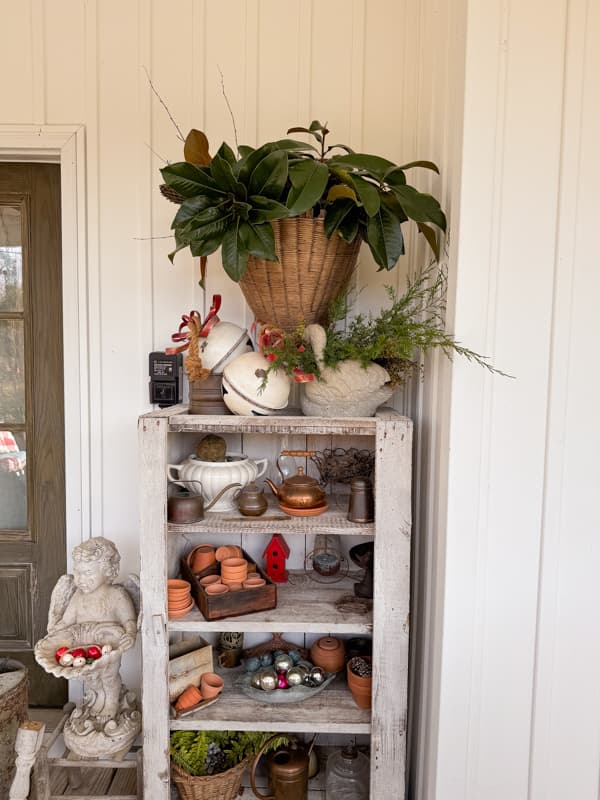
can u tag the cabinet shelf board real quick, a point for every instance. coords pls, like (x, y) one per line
(303, 606)
(331, 711)
(332, 521)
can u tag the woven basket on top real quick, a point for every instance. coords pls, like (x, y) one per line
(224, 786)
(311, 273)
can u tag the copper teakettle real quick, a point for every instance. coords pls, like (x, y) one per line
(299, 491)
(288, 772)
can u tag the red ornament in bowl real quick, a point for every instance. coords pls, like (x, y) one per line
(94, 652)
(60, 652)
(78, 652)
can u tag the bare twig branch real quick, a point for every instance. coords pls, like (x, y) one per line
(146, 238)
(163, 104)
(235, 135)
(166, 160)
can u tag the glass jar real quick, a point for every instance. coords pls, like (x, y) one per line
(347, 775)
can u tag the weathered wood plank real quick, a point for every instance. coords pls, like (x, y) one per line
(155, 649)
(331, 711)
(303, 606)
(391, 606)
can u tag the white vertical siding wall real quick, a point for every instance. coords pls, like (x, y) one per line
(510, 704)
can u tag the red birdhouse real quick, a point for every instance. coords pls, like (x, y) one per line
(276, 553)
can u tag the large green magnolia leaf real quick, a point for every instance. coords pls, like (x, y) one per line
(368, 193)
(195, 149)
(214, 228)
(259, 240)
(207, 246)
(431, 238)
(190, 180)
(248, 164)
(265, 210)
(340, 191)
(420, 207)
(309, 179)
(221, 171)
(425, 164)
(233, 253)
(269, 176)
(349, 227)
(190, 208)
(374, 165)
(384, 237)
(335, 213)
(227, 153)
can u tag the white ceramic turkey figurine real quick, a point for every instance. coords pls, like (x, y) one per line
(92, 621)
(347, 390)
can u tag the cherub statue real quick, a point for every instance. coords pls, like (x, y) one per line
(89, 609)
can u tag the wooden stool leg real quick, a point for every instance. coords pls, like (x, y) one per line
(30, 737)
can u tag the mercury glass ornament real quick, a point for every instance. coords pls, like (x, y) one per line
(283, 663)
(295, 656)
(282, 682)
(295, 676)
(255, 680)
(266, 659)
(307, 665)
(317, 675)
(268, 680)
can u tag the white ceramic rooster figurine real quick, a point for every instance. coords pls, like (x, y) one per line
(347, 390)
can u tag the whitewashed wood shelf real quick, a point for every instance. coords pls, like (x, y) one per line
(332, 521)
(304, 607)
(331, 711)
(307, 607)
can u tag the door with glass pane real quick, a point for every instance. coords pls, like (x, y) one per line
(32, 482)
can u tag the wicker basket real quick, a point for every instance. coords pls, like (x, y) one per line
(224, 786)
(311, 273)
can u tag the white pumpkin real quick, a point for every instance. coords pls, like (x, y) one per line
(224, 343)
(242, 387)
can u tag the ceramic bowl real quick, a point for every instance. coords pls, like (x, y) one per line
(216, 588)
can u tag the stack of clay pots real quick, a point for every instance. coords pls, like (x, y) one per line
(359, 674)
(211, 686)
(234, 572)
(179, 598)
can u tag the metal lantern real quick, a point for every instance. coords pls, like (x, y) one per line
(224, 343)
(245, 391)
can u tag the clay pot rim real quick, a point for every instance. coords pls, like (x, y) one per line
(329, 643)
(232, 563)
(216, 588)
(209, 580)
(254, 583)
(212, 679)
(177, 583)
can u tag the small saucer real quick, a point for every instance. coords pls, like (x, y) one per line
(304, 512)
(181, 612)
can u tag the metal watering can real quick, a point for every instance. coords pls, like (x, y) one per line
(288, 772)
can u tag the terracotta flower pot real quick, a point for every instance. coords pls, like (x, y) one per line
(188, 698)
(216, 588)
(176, 585)
(228, 551)
(358, 685)
(254, 583)
(201, 557)
(210, 685)
(328, 653)
(208, 580)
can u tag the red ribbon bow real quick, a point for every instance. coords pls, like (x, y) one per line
(195, 327)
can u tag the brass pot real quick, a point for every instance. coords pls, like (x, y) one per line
(299, 491)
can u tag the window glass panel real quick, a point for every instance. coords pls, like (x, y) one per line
(11, 260)
(12, 371)
(13, 484)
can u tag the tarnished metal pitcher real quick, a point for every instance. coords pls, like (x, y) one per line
(288, 772)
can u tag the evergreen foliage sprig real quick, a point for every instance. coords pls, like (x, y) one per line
(413, 324)
(211, 752)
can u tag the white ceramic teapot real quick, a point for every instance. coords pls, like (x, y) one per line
(208, 478)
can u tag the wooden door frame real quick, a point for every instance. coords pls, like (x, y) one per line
(65, 145)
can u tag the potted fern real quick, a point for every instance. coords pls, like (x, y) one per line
(209, 765)
(289, 217)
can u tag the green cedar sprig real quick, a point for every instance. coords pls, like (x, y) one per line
(189, 749)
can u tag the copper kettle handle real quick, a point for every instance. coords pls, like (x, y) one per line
(255, 764)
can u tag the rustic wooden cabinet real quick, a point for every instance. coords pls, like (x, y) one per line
(165, 436)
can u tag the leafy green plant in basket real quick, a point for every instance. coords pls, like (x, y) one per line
(230, 200)
(202, 753)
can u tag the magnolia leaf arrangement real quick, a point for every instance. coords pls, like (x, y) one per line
(212, 752)
(230, 200)
(412, 324)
